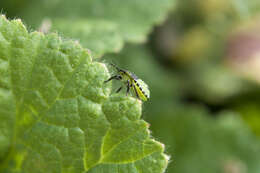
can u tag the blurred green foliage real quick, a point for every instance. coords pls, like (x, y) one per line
(203, 107)
(250, 111)
(202, 144)
(101, 26)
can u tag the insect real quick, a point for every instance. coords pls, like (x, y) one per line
(132, 81)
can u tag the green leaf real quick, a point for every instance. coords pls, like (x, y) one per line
(57, 114)
(7, 122)
(131, 19)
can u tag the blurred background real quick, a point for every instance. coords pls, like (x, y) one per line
(201, 60)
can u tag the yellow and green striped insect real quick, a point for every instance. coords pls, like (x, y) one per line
(132, 81)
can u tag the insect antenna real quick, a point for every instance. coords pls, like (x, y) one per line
(118, 69)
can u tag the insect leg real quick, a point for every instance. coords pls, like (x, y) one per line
(128, 87)
(119, 89)
(137, 95)
(117, 77)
